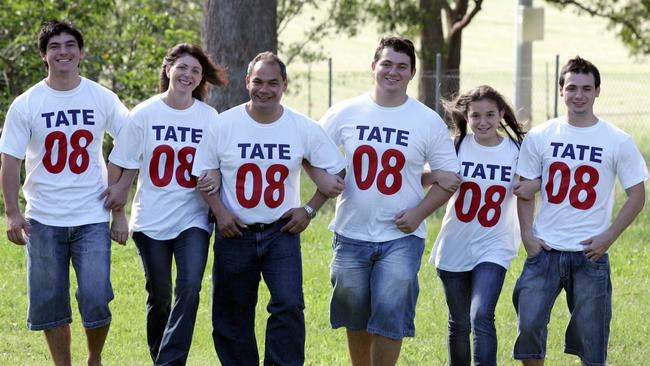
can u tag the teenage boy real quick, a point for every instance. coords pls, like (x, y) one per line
(379, 222)
(259, 147)
(58, 127)
(578, 157)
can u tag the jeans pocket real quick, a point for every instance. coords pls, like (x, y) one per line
(535, 258)
(600, 265)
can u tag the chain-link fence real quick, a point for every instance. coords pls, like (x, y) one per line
(624, 98)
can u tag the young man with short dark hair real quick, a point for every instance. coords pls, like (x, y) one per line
(578, 157)
(58, 127)
(379, 228)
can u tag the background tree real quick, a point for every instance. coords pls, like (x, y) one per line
(423, 20)
(125, 42)
(630, 19)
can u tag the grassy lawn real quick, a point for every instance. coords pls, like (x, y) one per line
(487, 58)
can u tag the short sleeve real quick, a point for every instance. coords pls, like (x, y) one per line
(440, 153)
(321, 151)
(128, 150)
(329, 123)
(118, 117)
(529, 165)
(206, 157)
(631, 168)
(15, 133)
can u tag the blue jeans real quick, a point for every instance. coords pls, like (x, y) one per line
(471, 298)
(170, 329)
(238, 266)
(589, 298)
(376, 285)
(49, 252)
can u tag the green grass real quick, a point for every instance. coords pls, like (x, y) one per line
(487, 58)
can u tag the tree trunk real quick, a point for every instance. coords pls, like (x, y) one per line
(431, 42)
(233, 33)
(451, 76)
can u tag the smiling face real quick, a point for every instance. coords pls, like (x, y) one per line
(184, 74)
(265, 87)
(392, 72)
(62, 54)
(483, 117)
(579, 93)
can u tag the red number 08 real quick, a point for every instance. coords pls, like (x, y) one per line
(183, 171)
(274, 183)
(490, 203)
(79, 157)
(580, 185)
(388, 169)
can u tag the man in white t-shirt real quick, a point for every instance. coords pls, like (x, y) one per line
(259, 147)
(578, 157)
(57, 127)
(388, 138)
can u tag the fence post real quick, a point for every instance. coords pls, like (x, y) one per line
(556, 86)
(329, 67)
(438, 80)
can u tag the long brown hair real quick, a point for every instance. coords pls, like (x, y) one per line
(457, 110)
(213, 73)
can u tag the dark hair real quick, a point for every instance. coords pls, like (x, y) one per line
(54, 28)
(580, 66)
(398, 44)
(268, 57)
(458, 108)
(213, 73)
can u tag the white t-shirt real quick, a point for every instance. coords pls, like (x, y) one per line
(60, 134)
(480, 224)
(161, 142)
(578, 167)
(260, 163)
(386, 149)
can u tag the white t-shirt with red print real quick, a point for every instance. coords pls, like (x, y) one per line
(260, 163)
(480, 224)
(161, 142)
(578, 167)
(386, 150)
(60, 135)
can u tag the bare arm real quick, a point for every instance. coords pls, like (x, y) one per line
(408, 220)
(331, 185)
(448, 181)
(10, 177)
(598, 245)
(116, 196)
(526, 214)
(228, 224)
(299, 217)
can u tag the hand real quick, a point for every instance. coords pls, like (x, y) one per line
(407, 221)
(448, 181)
(209, 181)
(533, 245)
(596, 246)
(115, 196)
(526, 189)
(298, 222)
(119, 227)
(16, 225)
(331, 185)
(229, 224)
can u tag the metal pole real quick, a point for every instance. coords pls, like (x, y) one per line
(329, 66)
(523, 67)
(438, 80)
(557, 83)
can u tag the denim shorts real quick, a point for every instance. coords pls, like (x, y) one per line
(589, 298)
(49, 252)
(375, 285)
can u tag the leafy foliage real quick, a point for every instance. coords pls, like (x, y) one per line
(125, 42)
(629, 18)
